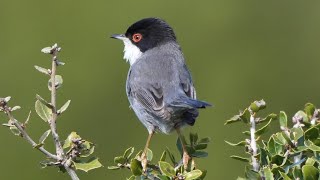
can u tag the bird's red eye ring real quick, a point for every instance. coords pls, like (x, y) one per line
(136, 37)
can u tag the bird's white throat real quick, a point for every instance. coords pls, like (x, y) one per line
(131, 52)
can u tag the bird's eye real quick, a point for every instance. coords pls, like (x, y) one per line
(136, 37)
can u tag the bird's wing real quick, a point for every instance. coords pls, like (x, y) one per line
(186, 82)
(150, 96)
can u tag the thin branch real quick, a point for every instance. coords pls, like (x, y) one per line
(25, 135)
(59, 149)
(253, 143)
(52, 122)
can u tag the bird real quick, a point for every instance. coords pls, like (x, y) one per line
(159, 85)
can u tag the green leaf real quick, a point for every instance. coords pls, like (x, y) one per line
(268, 174)
(172, 158)
(309, 109)
(87, 148)
(58, 83)
(162, 177)
(193, 175)
(264, 159)
(310, 161)
(15, 108)
(64, 107)
(193, 138)
(297, 173)
(44, 136)
(201, 146)
(88, 165)
(179, 146)
(163, 156)
(274, 148)
(303, 115)
(42, 70)
(199, 154)
(241, 143)
(43, 101)
(251, 174)
(136, 167)
(245, 116)
(234, 119)
(297, 133)
(263, 129)
(68, 141)
(311, 134)
(309, 144)
(128, 153)
(283, 120)
(43, 111)
(113, 167)
(284, 176)
(149, 155)
(268, 118)
(204, 140)
(120, 160)
(243, 159)
(166, 169)
(310, 172)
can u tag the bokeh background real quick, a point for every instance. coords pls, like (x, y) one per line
(238, 51)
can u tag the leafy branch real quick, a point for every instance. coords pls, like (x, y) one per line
(74, 153)
(163, 170)
(291, 153)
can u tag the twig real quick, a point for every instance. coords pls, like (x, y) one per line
(25, 135)
(253, 143)
(52, 122)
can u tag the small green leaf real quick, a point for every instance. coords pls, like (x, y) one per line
(297, 133)
(128, 153)
(200, 154)
(204, 140)
(245, 116)
(179, 146)
(58, 80)
(44, 102)
(172, 158)
(311, 134)
(136, 167)
(86, 166)
(163, 156)
(303, 115)
(193, 138)
(162, 177)
(309, 144)
(120, 160)
(44, 136)
(193, 175)
(251, 174)
(113, 167)
(309, 109)
(87, 148)
(263, 129)
(241, 143)
(284, 176)
(68, 141)
(234, 119)
(268, 174)
(243, 159)
(310, 161)
(283, 120)
(270, 116)
(166, 169)
(149, 155)
(64, 107)
(264, 159)
(15, 108)
(42, 70)
(27, 120)
(310, 172)
(43, 111)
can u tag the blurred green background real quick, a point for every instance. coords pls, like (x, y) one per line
(238, 51)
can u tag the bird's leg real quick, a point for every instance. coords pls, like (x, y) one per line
(185, 157)
(143, 157)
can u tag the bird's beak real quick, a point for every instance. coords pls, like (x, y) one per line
(118, 36)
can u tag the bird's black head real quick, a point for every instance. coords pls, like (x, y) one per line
(149, 33)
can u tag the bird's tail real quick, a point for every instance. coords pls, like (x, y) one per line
(187, 102)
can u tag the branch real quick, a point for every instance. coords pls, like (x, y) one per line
(253, 143)
(59, 150)
(22, 131)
